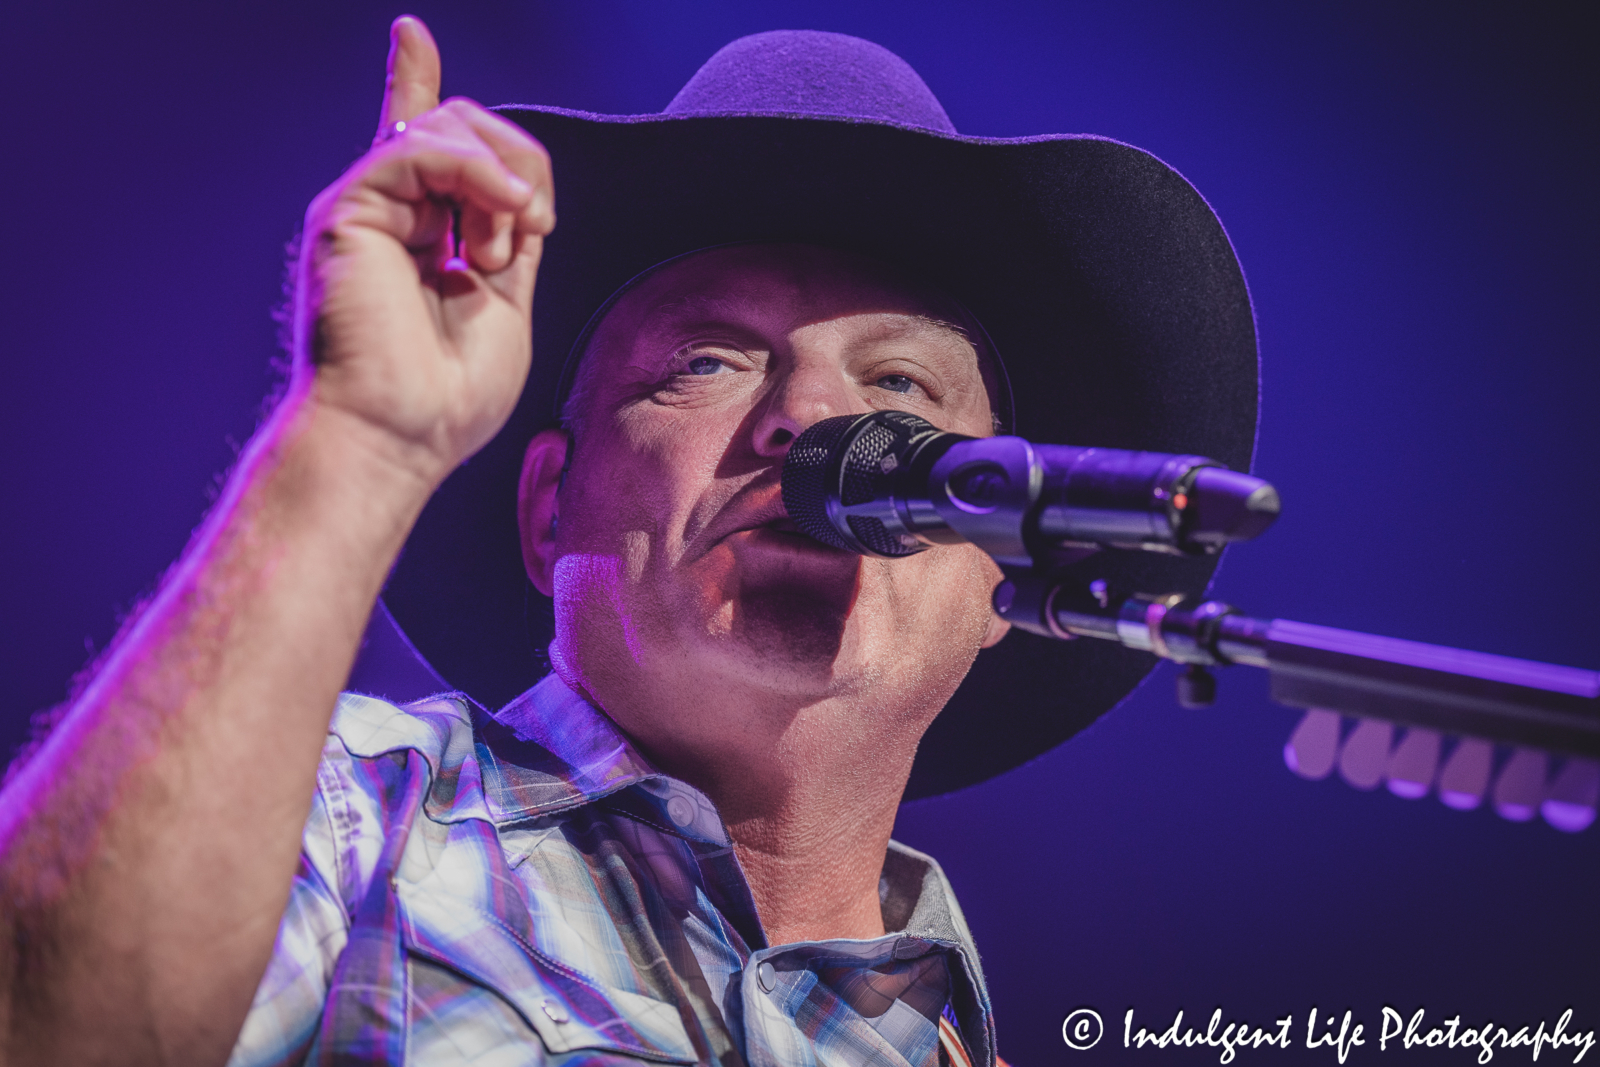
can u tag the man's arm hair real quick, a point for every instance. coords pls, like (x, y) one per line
(146, 848)
(148, 845)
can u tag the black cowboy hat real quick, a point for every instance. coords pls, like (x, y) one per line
(1105, 282)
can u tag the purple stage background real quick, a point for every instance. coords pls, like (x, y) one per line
(1411, 193)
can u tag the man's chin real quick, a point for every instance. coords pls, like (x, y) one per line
(776, 606)
(791, 626)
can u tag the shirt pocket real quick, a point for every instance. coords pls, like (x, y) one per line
(570, 1011)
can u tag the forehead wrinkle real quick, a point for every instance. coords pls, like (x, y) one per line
(901, 325)
(699, 306)
(704, 311)
(808, 292)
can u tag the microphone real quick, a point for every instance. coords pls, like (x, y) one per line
(892, 484)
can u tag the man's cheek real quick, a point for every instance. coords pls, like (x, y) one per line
(592, 602)
(679, 442)
(610, 506)
(946, 589)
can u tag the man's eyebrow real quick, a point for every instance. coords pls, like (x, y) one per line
(919, 323)
(945, 324)
(910, 327)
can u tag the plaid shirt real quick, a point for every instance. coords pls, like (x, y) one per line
(525, 888)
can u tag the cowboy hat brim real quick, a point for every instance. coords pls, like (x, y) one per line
(1106, 283)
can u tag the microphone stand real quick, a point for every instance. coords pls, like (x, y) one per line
(1497, 698)
(888, 484)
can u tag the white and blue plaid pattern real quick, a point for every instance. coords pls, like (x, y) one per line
(525, 889)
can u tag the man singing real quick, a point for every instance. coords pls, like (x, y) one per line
(675, 846)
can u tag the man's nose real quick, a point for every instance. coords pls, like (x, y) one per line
(802, 394)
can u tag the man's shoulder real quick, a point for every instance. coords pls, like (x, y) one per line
(380, 758)
(368, 727)
(548, 750)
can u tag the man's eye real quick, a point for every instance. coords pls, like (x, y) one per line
(705, 365)
(896, 383)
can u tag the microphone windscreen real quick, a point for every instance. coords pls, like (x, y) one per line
(805, 479)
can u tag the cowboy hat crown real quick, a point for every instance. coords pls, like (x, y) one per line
(808, 72)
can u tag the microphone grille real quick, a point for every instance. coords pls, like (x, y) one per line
(850, 458)
(805, 479)
(862, 464)
(872, 533)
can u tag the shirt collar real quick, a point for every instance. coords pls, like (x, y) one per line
(550, 750)
(919, 903)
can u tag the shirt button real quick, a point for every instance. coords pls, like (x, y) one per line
(767, 977)
(557, 1013)
(680, 810)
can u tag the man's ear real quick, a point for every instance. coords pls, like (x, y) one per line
(998, 628)
(537, 505)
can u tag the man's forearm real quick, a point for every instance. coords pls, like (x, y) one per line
(147, 847)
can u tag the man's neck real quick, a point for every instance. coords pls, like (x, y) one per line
(813, 855)
(809, 794)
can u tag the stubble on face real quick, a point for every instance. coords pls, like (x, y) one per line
(791, 618)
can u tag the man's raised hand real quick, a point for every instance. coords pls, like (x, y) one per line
(148, 847)
(426, 351)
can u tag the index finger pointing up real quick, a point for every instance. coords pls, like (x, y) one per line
(412, 86)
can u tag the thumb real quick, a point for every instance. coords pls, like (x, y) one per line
(412, 86)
